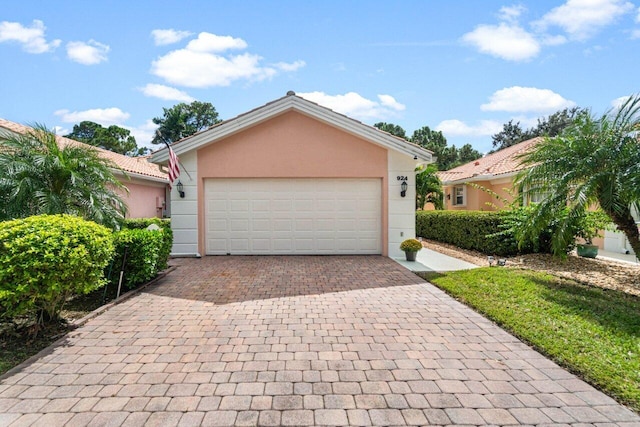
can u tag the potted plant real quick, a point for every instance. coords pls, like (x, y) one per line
(589, 227)
(411, 248)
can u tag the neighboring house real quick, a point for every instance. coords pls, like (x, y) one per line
(484, 183)
(293, 177)
(147, 184)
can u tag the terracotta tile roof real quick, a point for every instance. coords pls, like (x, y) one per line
(490, 166)
(132, 165)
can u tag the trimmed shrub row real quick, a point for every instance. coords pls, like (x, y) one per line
(476, 230)
(46, 259)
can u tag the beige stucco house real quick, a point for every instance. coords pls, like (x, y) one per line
(487, 183)
(293, 177)
(146, 182)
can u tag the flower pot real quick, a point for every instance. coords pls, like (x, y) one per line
(587, 251)
(411, 256)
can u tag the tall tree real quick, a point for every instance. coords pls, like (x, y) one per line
(392, 129)
(37, 176)
(467, 154)
(114, 138)
(552, 125)
(596, 160)
(183, 120)
(511, 134)
(429, 187)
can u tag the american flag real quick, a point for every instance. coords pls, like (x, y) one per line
(174, 169)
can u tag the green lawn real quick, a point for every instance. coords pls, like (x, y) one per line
(593, 332)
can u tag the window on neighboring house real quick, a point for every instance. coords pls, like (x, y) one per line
(534, 197)
(458, 197)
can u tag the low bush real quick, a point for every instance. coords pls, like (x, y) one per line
(475, 230)
(142, 249)
(167, 235)
(44, 259)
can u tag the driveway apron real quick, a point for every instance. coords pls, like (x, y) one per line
(317, 340)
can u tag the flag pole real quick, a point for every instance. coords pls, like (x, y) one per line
(163, 139)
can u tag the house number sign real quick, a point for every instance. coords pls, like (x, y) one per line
(402, 178)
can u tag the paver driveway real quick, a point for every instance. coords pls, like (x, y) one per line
(296, 341)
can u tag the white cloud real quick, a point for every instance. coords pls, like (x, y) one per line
(294, 66)
(526, 99)
(635, 34)
(103, 116)
(163, 37)
(355, 105)
(89, 53)
(618, 102)
(31, 38)
(207, 42)
(581, 19)
(144, 134)
(511, 13)
(455, 127)
(202, 64)
(506, 41)
(166, 92)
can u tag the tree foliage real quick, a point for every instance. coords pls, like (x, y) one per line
(594, 161)
(392, 129)
(553, 125)
(428, 187)
(114, 138)
(447, 157)
(38, 176)
(183, 120)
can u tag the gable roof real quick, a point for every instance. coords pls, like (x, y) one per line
(292, 102)
(500, 164)
(139, 167)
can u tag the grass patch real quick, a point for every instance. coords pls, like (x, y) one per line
(593, 332)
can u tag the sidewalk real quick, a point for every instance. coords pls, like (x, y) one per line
(428, 260)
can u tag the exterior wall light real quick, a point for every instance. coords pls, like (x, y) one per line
(180, 188)
(403, 189)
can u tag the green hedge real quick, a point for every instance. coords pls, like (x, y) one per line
(476, 230)
(147, 251)
(167, 235)
(45, 259)
(492, 233)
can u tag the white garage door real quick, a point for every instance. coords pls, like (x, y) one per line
(293, 216)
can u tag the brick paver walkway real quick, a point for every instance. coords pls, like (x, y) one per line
(297, 341)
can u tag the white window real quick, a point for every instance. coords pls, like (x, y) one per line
(459, 195)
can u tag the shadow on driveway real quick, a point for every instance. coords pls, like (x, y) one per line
(228, 279)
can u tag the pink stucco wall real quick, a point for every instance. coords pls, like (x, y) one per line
(144, 200)
(292, 145)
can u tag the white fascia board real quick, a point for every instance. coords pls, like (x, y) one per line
(487, 177)
(294, 103)
(139, 176)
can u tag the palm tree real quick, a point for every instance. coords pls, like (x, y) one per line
(39, 176)
(594, 162)
(429, 187)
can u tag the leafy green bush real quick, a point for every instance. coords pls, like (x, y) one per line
(45, 259)
(167, 235)
(143, 250)
(476, 230)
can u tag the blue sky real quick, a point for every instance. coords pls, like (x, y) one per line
(464, 67)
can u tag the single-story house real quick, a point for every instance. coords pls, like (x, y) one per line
(146, 182)
(293, 177)
(487, 183)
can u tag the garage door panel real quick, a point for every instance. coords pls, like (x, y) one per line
(299, 216)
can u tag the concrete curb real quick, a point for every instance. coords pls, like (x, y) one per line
(79, 322)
